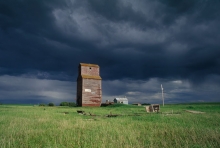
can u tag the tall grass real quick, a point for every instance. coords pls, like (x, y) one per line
(28, 126)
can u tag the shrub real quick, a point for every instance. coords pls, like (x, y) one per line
(42, 104)
(1, 103)
(71, 104)
(51, 104)
(190, 107)
(64, 104)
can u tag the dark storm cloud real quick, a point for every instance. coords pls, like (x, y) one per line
(28, 14)
(24, 25)
(136, 40)
(190, 46)
(132, 41)
(117, 11)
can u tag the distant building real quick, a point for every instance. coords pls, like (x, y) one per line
(89, 92)
(153, 108)
(107, 103)
(138, 104)
(121, 100)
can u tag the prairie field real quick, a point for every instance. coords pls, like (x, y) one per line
(61, 127)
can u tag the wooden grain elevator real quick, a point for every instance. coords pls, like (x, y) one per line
(89, 92)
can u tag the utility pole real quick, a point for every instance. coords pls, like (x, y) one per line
(162, 94)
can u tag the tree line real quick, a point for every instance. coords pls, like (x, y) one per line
(70, 104)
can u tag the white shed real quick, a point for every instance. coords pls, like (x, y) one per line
(121, 100)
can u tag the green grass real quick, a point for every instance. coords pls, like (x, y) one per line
(33, 126)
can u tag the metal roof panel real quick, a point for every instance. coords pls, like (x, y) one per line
(121, 99)
(89, 65)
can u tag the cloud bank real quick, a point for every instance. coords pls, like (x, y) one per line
(137, 44)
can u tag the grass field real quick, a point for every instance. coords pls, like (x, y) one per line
(34, 126)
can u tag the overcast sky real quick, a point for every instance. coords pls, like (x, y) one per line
(138, 45)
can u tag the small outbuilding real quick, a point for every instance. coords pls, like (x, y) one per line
(121, 100)
(153, 108)
(138, 104)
